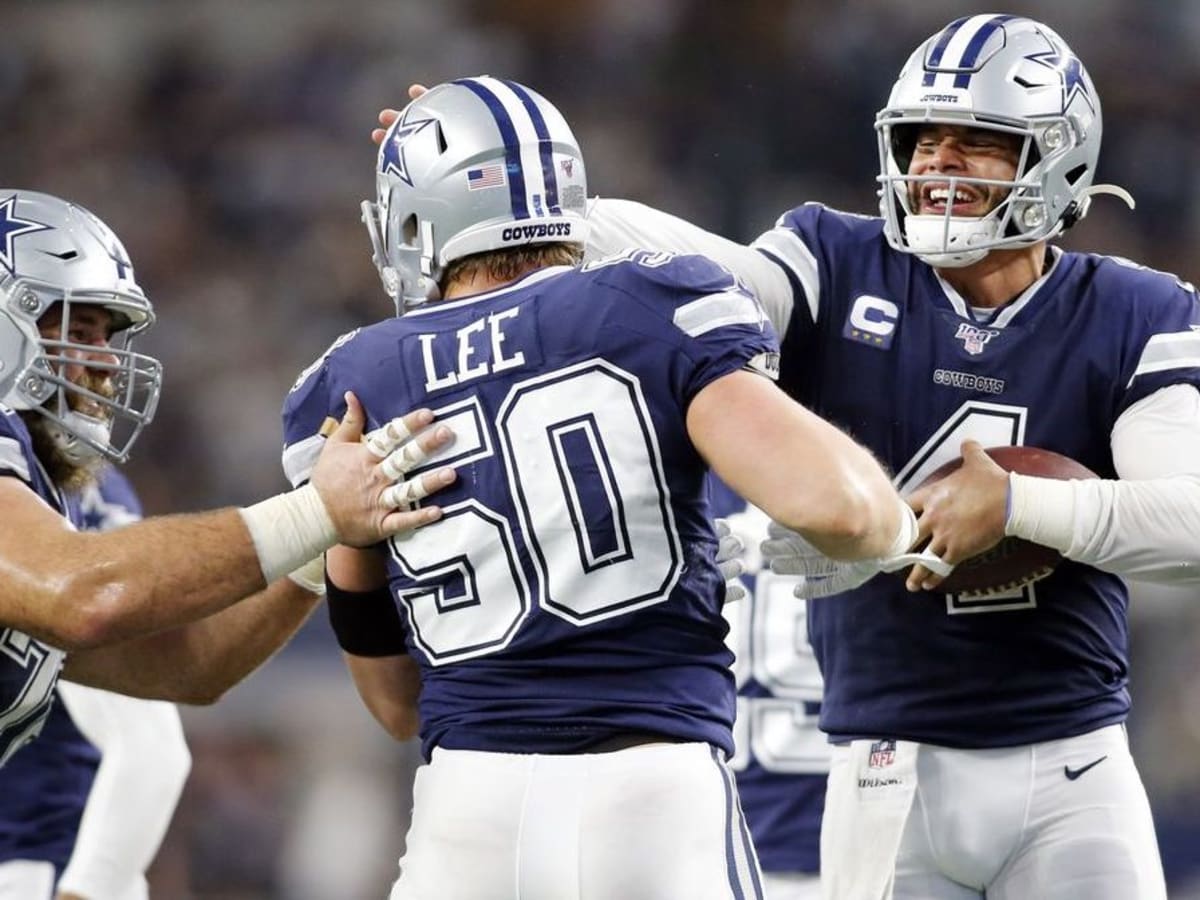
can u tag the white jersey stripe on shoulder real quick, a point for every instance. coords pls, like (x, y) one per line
(786, 246)
(300, 457)
(13, 458)
(716, 311)
(527, 138)
(1171, 350)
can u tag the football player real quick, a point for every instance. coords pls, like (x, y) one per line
(150, 609)
(981, 738)
(86, 805)
(564, 616)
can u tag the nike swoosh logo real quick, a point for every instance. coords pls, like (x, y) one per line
(1072, 774)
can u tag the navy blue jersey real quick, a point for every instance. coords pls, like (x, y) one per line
(897, 358)
(781, 758)
(28, 667)
(570, 591)
(45, 786)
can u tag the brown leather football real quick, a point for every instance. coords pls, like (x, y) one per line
(1013, 562)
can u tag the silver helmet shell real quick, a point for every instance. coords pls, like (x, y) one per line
(1000, 72)
(473, 165)
(54, 252)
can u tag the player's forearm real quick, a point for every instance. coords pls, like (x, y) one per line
(390, 687)
(1146, 530)
(802, 471)
(819, 482)
(171, 570)
(150, 576)
(198, 663)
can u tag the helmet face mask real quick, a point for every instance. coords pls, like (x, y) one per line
(95, 395)
(471, 166)
(1008, 74)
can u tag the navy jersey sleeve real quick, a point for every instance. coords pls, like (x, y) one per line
(816, 247)
(1162, 337)
(305, 410)
(16, 449)
(715, 323)
(18, 460)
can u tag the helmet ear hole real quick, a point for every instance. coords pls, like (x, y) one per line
(408, 230)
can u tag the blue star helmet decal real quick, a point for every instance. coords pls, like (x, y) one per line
(11, 227)
(1070, 69)
(391, 160)
(124, 266)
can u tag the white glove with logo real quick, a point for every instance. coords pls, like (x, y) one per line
(788, 553)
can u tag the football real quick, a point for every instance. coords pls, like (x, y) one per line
(1013, 562)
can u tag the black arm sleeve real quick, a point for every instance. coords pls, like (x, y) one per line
(367, 623)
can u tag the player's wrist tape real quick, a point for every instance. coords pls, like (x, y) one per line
(367, 623)
(907, 534)
(1041, 510)
(288, 530)
(901, 555)
(311, 575)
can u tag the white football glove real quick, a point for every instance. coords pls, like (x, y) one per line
(730, 561)
(788, 553)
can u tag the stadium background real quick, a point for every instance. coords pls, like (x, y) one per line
(226, 142)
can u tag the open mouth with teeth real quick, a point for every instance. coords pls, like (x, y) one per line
(936, 199)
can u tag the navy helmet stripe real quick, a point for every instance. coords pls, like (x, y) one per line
(545, 147)
(974, 46)
(512, 147)
(935, 55)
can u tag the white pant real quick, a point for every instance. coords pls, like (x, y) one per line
(27, 879)
(1011, 823)
(791, 886)
(652, 822)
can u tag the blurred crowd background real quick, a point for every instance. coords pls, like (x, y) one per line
(227, 142)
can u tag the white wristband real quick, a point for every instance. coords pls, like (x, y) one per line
(906, 536)
(288, 530)
(1041, 510)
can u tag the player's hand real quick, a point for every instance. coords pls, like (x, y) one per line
(731, 561)
(389, 115)
(361, 481)
(962, 515)
(788, 553)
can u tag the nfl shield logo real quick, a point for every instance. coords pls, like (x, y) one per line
(883, 754)
(974, 338)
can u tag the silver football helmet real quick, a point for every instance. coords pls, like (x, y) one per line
(53, 252)
(472, 165)
(1013, 75)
